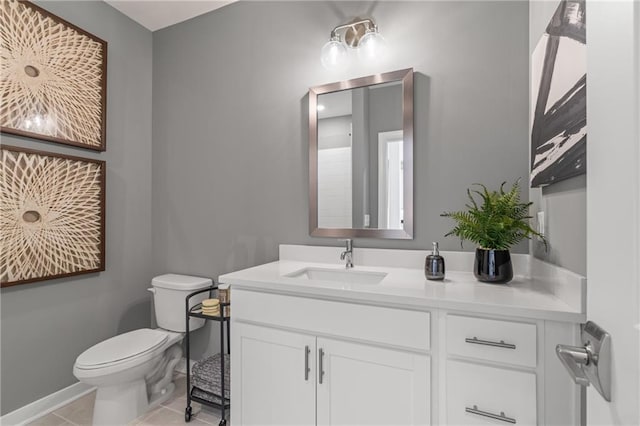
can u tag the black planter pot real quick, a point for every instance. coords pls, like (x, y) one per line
(493, 266)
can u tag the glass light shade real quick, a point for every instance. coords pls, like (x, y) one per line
(372, 46)
(333, 55)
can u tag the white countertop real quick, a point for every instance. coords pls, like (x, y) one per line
(407, 287)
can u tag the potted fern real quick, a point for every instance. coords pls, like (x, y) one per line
(495, 222)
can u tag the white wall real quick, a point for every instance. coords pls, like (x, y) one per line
(334, 188)
(613, 201)
(335, 205)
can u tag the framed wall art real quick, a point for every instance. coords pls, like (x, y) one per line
(52, 215)
(559, 97)
(53, 81)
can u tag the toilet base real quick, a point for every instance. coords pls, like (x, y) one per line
(120, 404)
(162, 397)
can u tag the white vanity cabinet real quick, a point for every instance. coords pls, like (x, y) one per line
(323, 372)
(305, 361)
(402, 350)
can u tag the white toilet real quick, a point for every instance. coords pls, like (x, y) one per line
(134, 371)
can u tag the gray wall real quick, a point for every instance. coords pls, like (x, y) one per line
(564, 203)
(385, 114)
(360, 157)
(230, 164)
(46, 325)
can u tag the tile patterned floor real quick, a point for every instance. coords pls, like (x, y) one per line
(80, 412)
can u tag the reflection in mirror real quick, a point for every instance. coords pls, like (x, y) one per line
(390, 209)
(360, 140)
(360, 129)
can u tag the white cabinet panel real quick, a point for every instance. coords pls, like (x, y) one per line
(476, 392)
(268, 381)
(494, 340)
(367, 385)
(397, 327)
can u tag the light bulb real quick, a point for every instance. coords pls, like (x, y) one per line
(372, 46)
(333, 54)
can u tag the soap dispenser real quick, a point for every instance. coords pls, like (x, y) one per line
(434, 265)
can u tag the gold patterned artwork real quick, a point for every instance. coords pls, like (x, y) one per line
(52, 78)
(51, 215)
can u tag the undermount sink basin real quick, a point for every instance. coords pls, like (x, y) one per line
(344, 276)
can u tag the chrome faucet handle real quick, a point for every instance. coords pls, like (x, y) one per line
(348, 253)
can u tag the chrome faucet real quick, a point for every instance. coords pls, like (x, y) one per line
(348, 254)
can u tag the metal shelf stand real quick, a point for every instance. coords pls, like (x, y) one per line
(191, 312)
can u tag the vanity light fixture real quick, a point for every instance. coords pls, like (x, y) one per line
(361, 34)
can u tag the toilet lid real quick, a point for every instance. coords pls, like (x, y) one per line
(122, 347)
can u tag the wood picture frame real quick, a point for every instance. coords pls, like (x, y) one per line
(52, 215)
(53, 78)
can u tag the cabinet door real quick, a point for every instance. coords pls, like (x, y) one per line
(367, 385)
(269, 383)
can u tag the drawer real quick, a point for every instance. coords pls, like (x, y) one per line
(481, 395)
(494, 340)
(395, 327)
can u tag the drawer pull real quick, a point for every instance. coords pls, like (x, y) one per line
(500, 344)
(500, 417)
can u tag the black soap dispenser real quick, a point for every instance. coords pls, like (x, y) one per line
(434, 265)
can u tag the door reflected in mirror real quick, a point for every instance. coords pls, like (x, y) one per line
(361, 142)
(390, 197)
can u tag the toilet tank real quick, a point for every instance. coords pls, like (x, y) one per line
(169, 294)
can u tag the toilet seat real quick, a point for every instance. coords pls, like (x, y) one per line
(123, 350)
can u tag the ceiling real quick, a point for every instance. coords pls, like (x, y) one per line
(157, 14)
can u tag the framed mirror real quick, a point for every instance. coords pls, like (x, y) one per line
(361, 157)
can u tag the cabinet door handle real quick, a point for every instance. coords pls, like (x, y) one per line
(320, 366)
(500, 344)
(500, 416)
(306, 362)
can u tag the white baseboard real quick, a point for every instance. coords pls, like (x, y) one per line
(46, 405)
